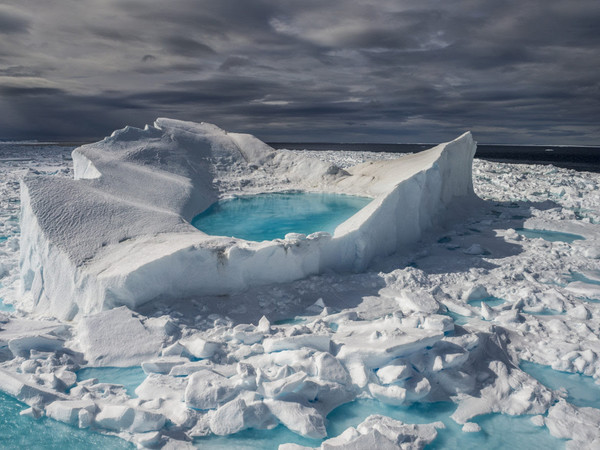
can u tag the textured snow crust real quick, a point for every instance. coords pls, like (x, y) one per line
(414, 327)
(119, 232)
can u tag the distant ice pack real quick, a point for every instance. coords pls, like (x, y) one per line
(119, 233)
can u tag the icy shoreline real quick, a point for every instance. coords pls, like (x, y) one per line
(403, 301)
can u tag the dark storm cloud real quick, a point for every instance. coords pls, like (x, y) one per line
(234, 61)
(12, 20)
(386, 70)
(24, 91)
(186, 47)
(20, 71)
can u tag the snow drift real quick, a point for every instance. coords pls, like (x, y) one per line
(120, 233)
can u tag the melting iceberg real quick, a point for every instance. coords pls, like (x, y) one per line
(119, 233)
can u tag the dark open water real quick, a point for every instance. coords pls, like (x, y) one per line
(578, 158)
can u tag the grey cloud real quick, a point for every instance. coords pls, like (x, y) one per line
(111, 32)
(23, 91)
(20, 71)
(234, 61)
(13, 21)
(186, 46)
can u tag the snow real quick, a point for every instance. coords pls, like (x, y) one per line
(119, 233)
(101, 338)
(287, 354)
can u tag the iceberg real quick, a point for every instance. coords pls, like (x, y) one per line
(119, 233)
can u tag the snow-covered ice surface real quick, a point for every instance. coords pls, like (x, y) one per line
(389, 335)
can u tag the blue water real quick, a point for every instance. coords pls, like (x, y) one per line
(291, 321)
(545, 312)
(582, 390)
(129, 377)
(271, 216)
(3, 238)
(490, 301)
(20, 432)
(498, 430)
(576, 276)
(459, 319)
(551, 236)
(5, 307)
(255, 439)
(590, 300)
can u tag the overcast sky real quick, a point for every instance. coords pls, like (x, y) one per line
(523, 71)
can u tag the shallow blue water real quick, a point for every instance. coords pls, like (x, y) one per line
(552, 236)
(576, 276)
(498, 430)
(490, 301)
(459, 319)
(255, 439)
(271, 216)
(129, 377)
(20, 432)
(5, 307)
(3, 238)
(545, 312)
(582, 390)
(291, 321)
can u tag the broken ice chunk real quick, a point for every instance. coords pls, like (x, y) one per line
(207, 390)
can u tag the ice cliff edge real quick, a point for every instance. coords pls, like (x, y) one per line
(119, 232)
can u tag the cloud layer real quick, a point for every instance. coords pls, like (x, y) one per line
(363, 71)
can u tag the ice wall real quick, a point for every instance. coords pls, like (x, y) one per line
(119, 233)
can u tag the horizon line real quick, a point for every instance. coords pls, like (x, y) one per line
(91, 141)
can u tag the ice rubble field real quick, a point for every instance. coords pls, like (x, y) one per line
(333, 348)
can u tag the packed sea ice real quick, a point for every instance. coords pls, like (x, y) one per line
(452, 319)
